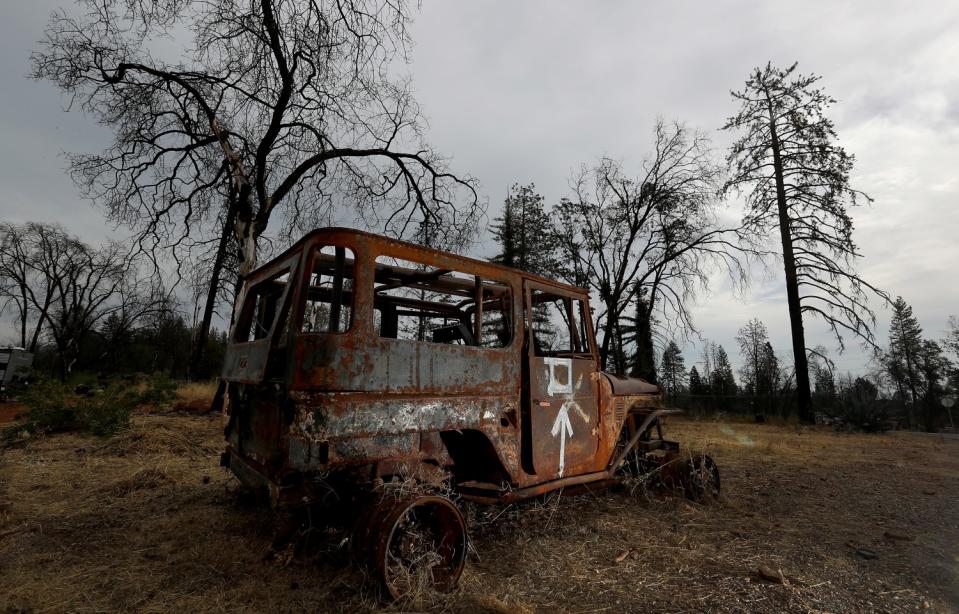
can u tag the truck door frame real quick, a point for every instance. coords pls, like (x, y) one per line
(546, 393)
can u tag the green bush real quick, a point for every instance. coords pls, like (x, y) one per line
(108, 411)
(160, 390)
(52, 408)
(863, 414)
(47, 411)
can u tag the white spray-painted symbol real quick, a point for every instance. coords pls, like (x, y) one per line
(562, 427)
(553, 366)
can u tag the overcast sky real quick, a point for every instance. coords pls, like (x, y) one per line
(527, 91)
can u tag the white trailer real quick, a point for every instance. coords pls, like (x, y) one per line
(15, 365)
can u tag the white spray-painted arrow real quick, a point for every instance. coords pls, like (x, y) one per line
(562, 428)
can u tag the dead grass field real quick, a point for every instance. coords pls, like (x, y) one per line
(147, 521)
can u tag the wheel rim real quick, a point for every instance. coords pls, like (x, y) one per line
(421, 546)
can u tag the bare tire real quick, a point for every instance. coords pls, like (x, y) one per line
(414, 543)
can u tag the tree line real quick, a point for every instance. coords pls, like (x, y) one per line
(79, 307)
(904, 385)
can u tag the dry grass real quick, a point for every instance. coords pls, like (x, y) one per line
(146, 521)
(196, 391)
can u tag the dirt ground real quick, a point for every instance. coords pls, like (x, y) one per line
(147, 521)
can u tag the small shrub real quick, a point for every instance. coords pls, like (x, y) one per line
(109, 410)
(52, 408)
(159, 390)
(860, 414)
(48, 411)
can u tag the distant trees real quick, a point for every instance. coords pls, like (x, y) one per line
(858, 392)
(672, 370)
(696, 385)
(752, 339)
(823, 373)
(278, 109)
(722, 382)
(951, 345)
(796, 178)
(524, 233)
(916, 366)
(67, 289)
(621, 235)
(22, 283)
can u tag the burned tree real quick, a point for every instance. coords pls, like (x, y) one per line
(796, 178)
(278, 109)
(658, 233)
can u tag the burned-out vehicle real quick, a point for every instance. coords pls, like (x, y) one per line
(404, 378)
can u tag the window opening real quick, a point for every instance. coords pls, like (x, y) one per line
(419, 302)
(261, 308)
(558, 324)
(329, 293)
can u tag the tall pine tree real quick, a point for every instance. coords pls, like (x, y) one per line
(903, 358)
(640, 332)
(796, 178)
(722, 382)
(523, 232)
(673, 370)
(696, 385)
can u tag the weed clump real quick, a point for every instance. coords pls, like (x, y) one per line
(48, 411)
(159, 390)
(52, 408)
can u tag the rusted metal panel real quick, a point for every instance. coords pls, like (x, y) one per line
(246, 362)
(345, 415)
(359, 362)
(565, 416)
(622, 385)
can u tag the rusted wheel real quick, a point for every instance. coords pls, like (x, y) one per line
(415, 543)
(701, 478)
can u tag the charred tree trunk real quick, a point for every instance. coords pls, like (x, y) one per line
(23, 316)
(804, 396)
(644, 363)
(203, 333)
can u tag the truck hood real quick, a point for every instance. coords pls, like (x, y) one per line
(623, 385)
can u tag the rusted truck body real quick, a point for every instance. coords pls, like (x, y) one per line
(361, 360)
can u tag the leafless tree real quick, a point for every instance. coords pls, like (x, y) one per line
(951, 345)
(26, 252)
(658, 234)
(72, 287)
(796, 179)
(277, 109)
(752, 339)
